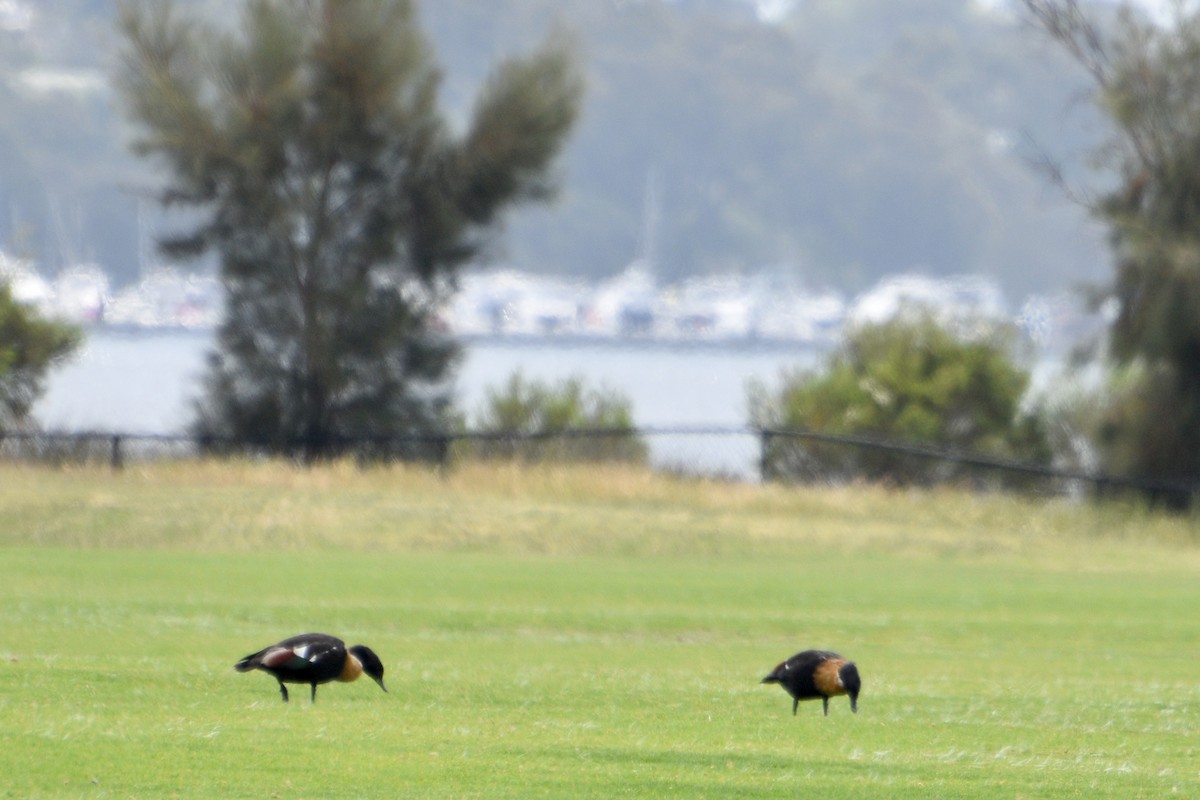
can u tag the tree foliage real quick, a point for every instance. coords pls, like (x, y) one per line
(29, 347)
(911, 380)
(536, 421)
(311, 148)
(1147, 80)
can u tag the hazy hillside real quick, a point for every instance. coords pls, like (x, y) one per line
(851, 139)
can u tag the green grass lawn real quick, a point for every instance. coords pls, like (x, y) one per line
(586, 634)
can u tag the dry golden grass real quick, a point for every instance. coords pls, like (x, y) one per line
(224, 506)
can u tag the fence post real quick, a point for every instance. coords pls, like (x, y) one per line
(764, 456)
(443, 454)
(115, 459)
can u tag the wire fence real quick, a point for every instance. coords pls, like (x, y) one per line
(728, 453)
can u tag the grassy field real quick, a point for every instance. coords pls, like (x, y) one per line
(586, 633)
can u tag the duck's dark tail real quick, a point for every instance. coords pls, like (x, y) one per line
(776, 675)
(248, 663)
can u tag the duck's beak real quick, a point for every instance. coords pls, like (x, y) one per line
(380, 682)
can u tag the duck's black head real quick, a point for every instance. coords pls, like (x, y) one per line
(370, 663)
(853, 683)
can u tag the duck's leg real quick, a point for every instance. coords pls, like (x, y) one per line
(283, 691)
(825, 701)
(314, 693)
(795, 705)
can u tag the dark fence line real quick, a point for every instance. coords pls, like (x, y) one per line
(116, 448)
(1179, 492)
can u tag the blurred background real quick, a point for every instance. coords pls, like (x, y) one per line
(746, 179)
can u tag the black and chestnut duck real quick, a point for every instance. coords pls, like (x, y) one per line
(314, 658)
(817, 673)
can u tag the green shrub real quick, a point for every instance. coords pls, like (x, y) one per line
(536, 421)
(910, 380)
(1143, 425)
(30, 347)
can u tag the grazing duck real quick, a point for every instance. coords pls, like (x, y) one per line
(817, 673)
(314, 658)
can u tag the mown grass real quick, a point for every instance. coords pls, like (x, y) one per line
(586, 633)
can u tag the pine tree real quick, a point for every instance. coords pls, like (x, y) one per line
(309, 146)
(1147, 80)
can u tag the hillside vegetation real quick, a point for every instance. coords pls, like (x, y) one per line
(850, 140)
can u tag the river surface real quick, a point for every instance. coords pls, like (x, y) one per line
(144, 382)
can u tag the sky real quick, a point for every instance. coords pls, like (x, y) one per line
(1160, 10)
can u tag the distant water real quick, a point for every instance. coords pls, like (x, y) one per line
(144, 382)
(125, 382)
